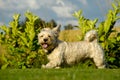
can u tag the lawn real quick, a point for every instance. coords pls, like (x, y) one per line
(60, 74)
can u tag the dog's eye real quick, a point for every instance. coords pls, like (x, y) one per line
(49, 36)
(41, 36)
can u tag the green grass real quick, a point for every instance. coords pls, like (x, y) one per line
(60, 74)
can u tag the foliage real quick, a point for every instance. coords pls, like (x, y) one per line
(84, 24)
(20, 41)
(111, 45)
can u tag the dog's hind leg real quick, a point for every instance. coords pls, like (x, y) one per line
(99, 61)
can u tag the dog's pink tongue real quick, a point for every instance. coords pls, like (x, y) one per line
(45, 45)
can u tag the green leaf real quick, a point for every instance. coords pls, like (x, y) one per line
(114, 6)
(77, 14)
(108, 22)
(112, 59)
(5, 66)
(101, 29)
(16, 17)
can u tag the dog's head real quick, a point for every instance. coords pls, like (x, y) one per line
(47, 37)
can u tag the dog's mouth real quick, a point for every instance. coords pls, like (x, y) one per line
(45, 45)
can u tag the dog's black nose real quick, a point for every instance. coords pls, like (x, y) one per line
(45, 39)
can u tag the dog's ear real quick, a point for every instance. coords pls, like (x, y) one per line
(57, 28)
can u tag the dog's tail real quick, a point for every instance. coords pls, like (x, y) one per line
(91, 36)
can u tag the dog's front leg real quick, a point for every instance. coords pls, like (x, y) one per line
(51, 65)
(55, 60)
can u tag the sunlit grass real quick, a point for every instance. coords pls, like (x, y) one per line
(73, 35)
(60, 74)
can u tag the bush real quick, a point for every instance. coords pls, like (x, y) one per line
(20, 42)
(111, 45)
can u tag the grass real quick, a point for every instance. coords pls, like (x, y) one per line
(60, 74)
(73, 35)
(70, 35)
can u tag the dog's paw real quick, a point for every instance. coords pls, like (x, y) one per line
(43, 66)
(57, 67)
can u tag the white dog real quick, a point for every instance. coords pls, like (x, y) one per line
(70, 53)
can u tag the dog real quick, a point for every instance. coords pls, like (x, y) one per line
(69, 53)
